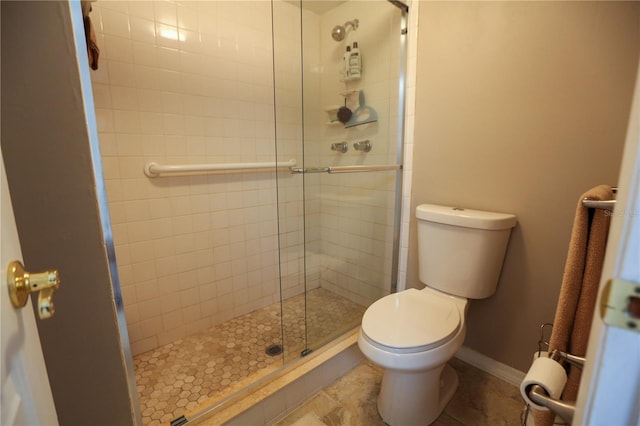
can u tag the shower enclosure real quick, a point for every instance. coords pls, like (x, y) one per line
(228, 274)
(344, 241)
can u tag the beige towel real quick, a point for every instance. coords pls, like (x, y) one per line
(92, 46)
(579, 290)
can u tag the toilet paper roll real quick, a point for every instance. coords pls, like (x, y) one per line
(549, 375)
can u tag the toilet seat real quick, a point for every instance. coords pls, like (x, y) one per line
(411, 321)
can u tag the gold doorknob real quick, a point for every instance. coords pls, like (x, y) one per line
(22, 283)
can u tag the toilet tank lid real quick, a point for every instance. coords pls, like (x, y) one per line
(467, 218)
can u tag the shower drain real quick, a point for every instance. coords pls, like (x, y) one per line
(273, 350)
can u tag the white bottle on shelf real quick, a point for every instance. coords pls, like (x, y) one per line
(345, 62)
(355, 61)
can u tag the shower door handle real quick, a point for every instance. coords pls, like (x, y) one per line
(300, 170)
(348, 169)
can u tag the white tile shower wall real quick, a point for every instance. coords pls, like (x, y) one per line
(355, 212)
(192, 82)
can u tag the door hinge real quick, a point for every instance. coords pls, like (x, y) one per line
(620, 304)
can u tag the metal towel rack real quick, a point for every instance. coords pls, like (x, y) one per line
(601, 204)
(155, 170)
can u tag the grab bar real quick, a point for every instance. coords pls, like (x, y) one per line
(347, 169)
(155, 170)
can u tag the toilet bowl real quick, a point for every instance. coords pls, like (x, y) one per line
(414, 357)
(413, 333)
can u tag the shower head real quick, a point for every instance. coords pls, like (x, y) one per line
(340, 31)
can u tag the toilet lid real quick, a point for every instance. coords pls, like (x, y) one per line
(411, 319)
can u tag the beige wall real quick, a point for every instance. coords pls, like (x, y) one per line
(520, 108)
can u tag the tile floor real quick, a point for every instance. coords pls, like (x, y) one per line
(481, 400)
(190, 372)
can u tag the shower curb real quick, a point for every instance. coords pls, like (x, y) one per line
(285, 390)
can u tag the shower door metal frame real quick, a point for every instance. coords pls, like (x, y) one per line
(400, 141)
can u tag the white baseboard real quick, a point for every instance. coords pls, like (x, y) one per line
(491, 366)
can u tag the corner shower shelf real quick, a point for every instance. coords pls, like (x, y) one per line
(345, 79)
(363, 114)
(332, 113)
(347, 93)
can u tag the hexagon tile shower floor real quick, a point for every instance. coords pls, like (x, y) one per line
(183, 374)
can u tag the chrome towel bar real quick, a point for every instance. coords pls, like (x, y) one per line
(596, 204)
(602, 205)
(310, 170)
(347, 169)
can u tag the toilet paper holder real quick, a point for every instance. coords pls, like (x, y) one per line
(537, 394)
(558, 355)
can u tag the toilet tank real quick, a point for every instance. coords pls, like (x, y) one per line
(460, 251)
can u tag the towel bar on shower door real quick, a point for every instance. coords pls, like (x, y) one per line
(347, 169)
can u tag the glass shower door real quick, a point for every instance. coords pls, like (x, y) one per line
(288, 92)
(352, 77)
(341, 119)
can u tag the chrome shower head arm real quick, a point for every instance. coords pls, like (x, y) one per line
(353, 23)
(340, 31)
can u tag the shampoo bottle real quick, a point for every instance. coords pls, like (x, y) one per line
(346, 61)
(355, 61)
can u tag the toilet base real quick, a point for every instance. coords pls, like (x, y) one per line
(416, 398)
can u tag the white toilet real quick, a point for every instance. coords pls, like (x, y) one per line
(413, 333)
